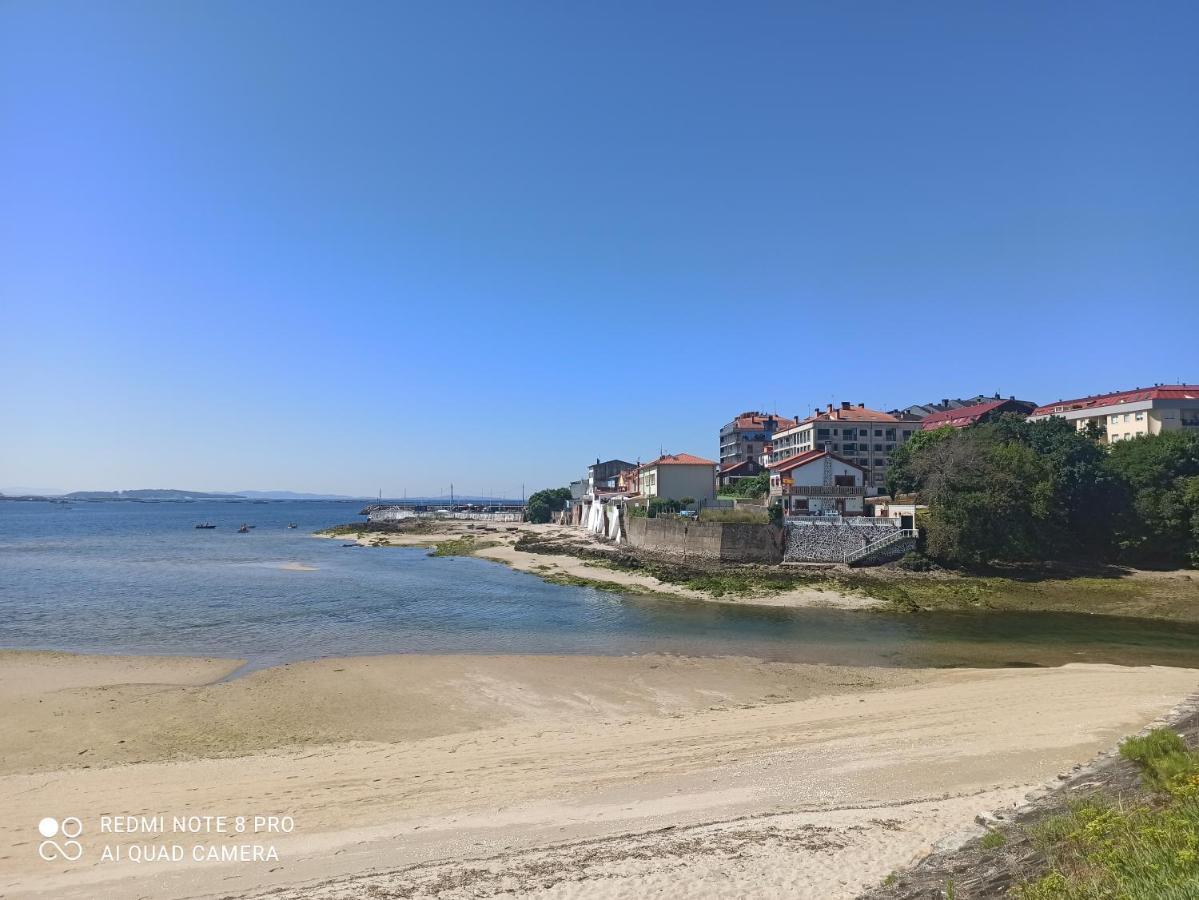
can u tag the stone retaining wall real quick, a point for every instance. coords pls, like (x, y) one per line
(830, 541)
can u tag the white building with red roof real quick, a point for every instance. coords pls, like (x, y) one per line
(865, 437)
(1124, 415)
(676, 476)
(818, 482)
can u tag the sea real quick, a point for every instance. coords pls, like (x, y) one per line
(140, 578)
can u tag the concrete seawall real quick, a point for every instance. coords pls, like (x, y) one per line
(724, 541)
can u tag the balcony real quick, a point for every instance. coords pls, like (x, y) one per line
(822, 490)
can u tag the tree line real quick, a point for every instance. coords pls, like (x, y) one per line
(1012, 491)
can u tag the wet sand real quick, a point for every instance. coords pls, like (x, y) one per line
(542, 776)
(497, 543)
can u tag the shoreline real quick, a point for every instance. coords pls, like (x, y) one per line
(575, 557)
(614, 776)
(497, 544)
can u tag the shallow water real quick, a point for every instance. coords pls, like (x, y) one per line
(140, 578)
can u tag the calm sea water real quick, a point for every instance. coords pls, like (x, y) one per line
(140, 578)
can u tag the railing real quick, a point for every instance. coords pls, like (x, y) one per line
(882, 543)
(823, 490)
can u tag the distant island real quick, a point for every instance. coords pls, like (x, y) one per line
(149, 494)
(168, 494)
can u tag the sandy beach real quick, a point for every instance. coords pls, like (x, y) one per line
(541, 776)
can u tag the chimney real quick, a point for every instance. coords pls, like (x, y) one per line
(830, 407)
(861, 406)
(845, 404)
(945, 401)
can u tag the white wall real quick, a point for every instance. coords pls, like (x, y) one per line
(677, 481)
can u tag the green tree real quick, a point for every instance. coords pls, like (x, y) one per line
(1159, 479)
(752, 487)
(1009, 491)
(541, 506)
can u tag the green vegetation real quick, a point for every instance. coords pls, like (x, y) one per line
(749, 488)
(750, 516)
(463, 546)
(542, 505)
(1145, 850)
(992, 840)
(353, 528)
(1015, 491)
(658, 506)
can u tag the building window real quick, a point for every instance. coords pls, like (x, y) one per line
(1115, 419)
(906, 434)
(1140, 417)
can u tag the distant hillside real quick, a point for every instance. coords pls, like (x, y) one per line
(150, 494)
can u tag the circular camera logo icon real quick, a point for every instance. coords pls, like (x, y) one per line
(68, 848)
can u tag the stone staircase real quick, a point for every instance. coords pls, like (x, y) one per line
(888, 547)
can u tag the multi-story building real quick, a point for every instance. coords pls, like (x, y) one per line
(602, 476)
(676, 476)
(1129, 414)
(743, 438)
(962, 416)
(923, 410)
(865, 437)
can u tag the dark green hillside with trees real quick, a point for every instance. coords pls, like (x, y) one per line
(1014, 491)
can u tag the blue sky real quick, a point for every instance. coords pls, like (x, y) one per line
(345, 247)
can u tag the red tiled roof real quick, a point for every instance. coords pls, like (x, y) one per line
(755, 420)
(732, 469)
(1158, 392)
(679, 459)
(960, 417)
(802, 459)
(853, 414)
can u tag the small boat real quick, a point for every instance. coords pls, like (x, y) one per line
(205, 525)
(245, 529)
(291, 524)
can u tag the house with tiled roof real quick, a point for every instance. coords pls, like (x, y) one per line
(920, 411)
(866, 437)
(677, 476)
(963, 416)
(733, 472)
(818, 483)
(743, 438)
(1123, 415)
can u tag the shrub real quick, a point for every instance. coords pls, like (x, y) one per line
(915, 561)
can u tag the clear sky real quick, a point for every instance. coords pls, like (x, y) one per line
(352, 246)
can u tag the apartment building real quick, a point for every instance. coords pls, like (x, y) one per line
(1124, 415)
(865, 437)
(743, 438)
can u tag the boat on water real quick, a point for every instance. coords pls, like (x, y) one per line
(245, 529)
(205, 525)
(291, 524)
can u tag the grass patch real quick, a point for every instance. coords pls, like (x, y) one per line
(463, 546)
(353, 528)
(747, 516)
(992, 840)
(1149, 850)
